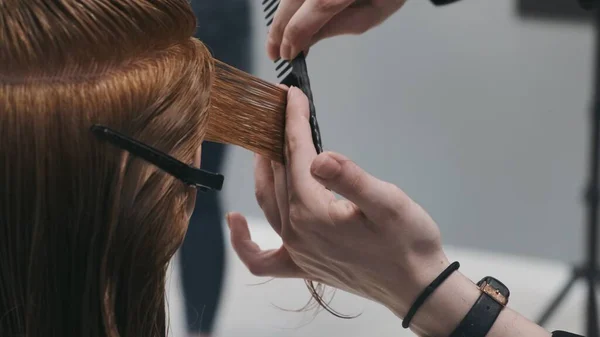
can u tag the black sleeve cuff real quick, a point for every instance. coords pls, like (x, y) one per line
(589, 4)
(564, 334)
(443, 2)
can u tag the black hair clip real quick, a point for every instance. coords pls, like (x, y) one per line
(195, 177)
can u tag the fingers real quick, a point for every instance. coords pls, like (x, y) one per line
(357, 19)
(300, 151)
(296, 22)
(264, 190)
(285, 11)
(378, 200)
(281, 193)
(299, 24)
(240, 235)
(306, 22)
(274, 263)
(350, 21)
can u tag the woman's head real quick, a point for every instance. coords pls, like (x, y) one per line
(87, 230)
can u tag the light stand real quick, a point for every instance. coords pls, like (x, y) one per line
(589, 273)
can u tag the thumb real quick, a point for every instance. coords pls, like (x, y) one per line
(275, 262)
(378, 200)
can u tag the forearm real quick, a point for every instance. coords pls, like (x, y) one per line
(450, 303)
(512, 324)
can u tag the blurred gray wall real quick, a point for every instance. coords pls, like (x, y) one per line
(479, 115)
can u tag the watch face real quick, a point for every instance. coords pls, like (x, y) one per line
(495, 289)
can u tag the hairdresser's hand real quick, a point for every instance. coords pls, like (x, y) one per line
(299, 24)
(376, 243)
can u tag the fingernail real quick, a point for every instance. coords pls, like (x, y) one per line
(228, 219)
(292, 92)
(272, 49)
(325, 167)
(286, 50)
(293, 53)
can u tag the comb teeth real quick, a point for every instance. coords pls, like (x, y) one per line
(282, 67)
(270, 7)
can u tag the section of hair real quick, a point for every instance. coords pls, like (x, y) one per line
(248, 112)
(85, 37)
(86, 231)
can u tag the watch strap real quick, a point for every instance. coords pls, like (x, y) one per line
(482, 316)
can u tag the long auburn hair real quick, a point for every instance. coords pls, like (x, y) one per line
(86, 230)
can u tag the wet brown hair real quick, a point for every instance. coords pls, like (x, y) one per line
(248, 112)
(86, 230)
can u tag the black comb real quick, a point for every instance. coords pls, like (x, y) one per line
(295, 73)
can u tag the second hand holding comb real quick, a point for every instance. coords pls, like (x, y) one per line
(295, 74)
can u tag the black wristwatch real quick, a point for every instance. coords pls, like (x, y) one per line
(480, 319)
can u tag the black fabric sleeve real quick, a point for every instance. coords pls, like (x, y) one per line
(587, 4)
(564, 334)
(442, 2)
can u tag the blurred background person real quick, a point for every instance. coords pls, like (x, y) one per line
(224, 26)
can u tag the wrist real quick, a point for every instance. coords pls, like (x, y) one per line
(448, 305)
(511, 323)
(416, 275)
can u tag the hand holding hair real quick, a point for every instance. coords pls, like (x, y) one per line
(299, 24)
(376, 243)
